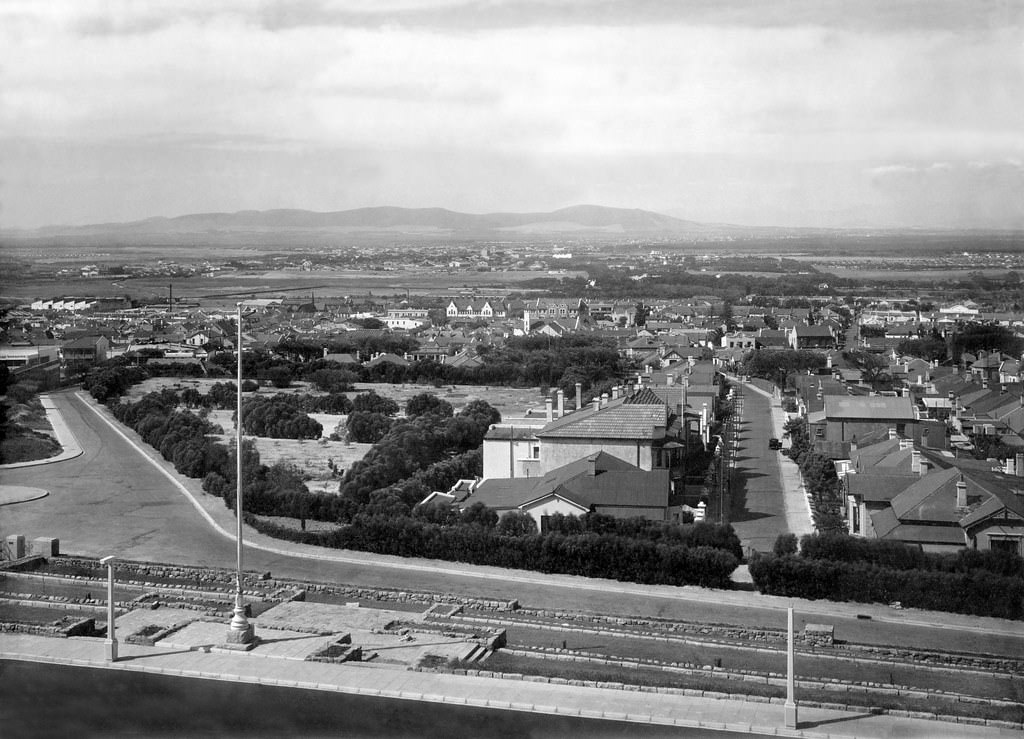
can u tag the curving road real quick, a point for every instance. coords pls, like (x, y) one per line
(113, 499)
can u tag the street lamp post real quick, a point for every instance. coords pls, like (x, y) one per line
(111, 642)
(791, 706)
(241, 632)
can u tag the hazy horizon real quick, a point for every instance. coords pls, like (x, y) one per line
(799, 113)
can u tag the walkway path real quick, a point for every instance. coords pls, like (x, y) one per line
(695, 711)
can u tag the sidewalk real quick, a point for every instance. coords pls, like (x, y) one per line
(69, 445)
(222, 520)
(695, 711)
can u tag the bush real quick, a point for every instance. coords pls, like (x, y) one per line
(978, 592)
(516, 523)
(277, 418)
(785, 544)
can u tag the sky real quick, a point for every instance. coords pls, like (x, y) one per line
(873, 113)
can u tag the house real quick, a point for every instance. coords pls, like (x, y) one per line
(932, 500)
(599, 482)
(407, 319)
(83, 353)
(475, 310)
(821, 336)
(641, 428)
(846, 417)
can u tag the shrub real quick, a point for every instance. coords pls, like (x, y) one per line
(785, 544)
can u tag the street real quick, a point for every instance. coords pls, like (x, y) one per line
(112, 500)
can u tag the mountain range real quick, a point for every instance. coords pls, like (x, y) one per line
(579, 219)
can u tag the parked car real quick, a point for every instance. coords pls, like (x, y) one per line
(774, 443)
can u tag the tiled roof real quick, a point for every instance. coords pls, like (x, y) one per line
(510, 433)
(598, 479)
(611, 422)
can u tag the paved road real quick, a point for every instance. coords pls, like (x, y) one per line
(112, 500)
(758, 510)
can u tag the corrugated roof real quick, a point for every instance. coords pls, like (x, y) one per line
(880, 408)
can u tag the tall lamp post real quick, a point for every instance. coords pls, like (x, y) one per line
(240, 632)
(111, 642)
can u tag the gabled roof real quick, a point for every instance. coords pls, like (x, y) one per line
(599, 479)
(879, 488)
(933, 497)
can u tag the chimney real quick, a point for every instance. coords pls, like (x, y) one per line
(1019, 464)
(670, 379)
(905, 444)
(1010, 466)
(923, 466)
(561, 403)
(853, 444)
(961, 494)
(892, 432)
(579, 396)
(325, 351)
(615, 392)
(547, 409)
(828, 361)
(915, 461)
(604, 400)
(984, 381)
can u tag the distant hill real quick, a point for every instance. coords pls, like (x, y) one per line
(583, 219)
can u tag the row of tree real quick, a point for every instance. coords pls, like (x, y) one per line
(819, 476)
(588, 554)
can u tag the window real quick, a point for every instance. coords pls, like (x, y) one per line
(1005, 544)
(535, 452)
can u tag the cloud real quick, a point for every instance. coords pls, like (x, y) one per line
(869, 86)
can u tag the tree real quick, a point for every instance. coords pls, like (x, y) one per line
(642, 312)
(367, 427)
(373, 403)
(424, 403)
(874, 369)
(332, 380)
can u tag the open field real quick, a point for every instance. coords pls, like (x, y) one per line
(236, 285)
(312, 457)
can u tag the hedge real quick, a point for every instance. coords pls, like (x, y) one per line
(899, 556)
(588, 555)
(977, 592)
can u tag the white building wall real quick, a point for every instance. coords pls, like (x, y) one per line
(555, 453)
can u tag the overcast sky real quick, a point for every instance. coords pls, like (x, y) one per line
(773, 112)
